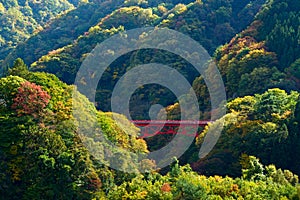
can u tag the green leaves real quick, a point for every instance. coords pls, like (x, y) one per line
(260, 125)
(19, 68)
(261, 184)
(8, 89)
(276, 105)
(262, 78)
(255, 170)
(294, 69)
(19, 19)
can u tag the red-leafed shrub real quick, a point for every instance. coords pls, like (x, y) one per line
(30, 99)
(166, 187)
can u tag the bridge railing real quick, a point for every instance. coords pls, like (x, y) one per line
(170, 122)
(166, 127)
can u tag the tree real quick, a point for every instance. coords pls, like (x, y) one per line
(294, 69)
(19, 68)
(8, 88)
(261, 125)
(261, 79)
(30, 99)
(275, 104)
(254, 169)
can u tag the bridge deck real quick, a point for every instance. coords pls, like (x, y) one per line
(150, 128)
(170, 122)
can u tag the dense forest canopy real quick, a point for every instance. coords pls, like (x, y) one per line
(45, 155)
(20, 19)
(211, 23)
(254, 61)
(56, 144)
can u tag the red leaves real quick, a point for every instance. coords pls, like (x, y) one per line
(166, 187)
(30, 99)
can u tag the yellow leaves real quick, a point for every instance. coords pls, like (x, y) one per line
(2, 8)
(172, 107)
(284, 116)
(234, 188)
(245, 127)
(121, 131)
(56, 51)
(94, 29)
(16, 174)
(284, 198)
(244, 104)
(162, 9)
(218, 178)
(244, 161)
(180, 8)
(139, 195)
(140, 145)
(147, 13)
(257, 45)
(115, 75)
(246, 42)
(170, 16)
(173, 111)
(256, 53)
(63, 110)
(45, 58)
(238, 44)
(147, 165)
(14, 167)
(223, 61)
(84, 1)
(14, 150)
(270, 127)
(199, 2)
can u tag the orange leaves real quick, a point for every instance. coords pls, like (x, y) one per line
(166, 187)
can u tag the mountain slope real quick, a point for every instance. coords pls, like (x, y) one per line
(20, 19)
(46, 155)
(61, 31)
(60, 34)
(264, 55)
(271, 41)
(67, 27)
(46, 152)
(203, 21)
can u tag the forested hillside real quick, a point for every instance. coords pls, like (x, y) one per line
(56, 144)
(250, 64)
(68, 27)
(264, 55)
(45, 155)
(203, 21)
(41, 147)
(20, 19)
(61, 31)
(264, 125)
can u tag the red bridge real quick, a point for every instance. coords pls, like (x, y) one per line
(162, 127)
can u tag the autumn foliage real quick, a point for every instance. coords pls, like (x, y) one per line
(166, 187)
(30, 99)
